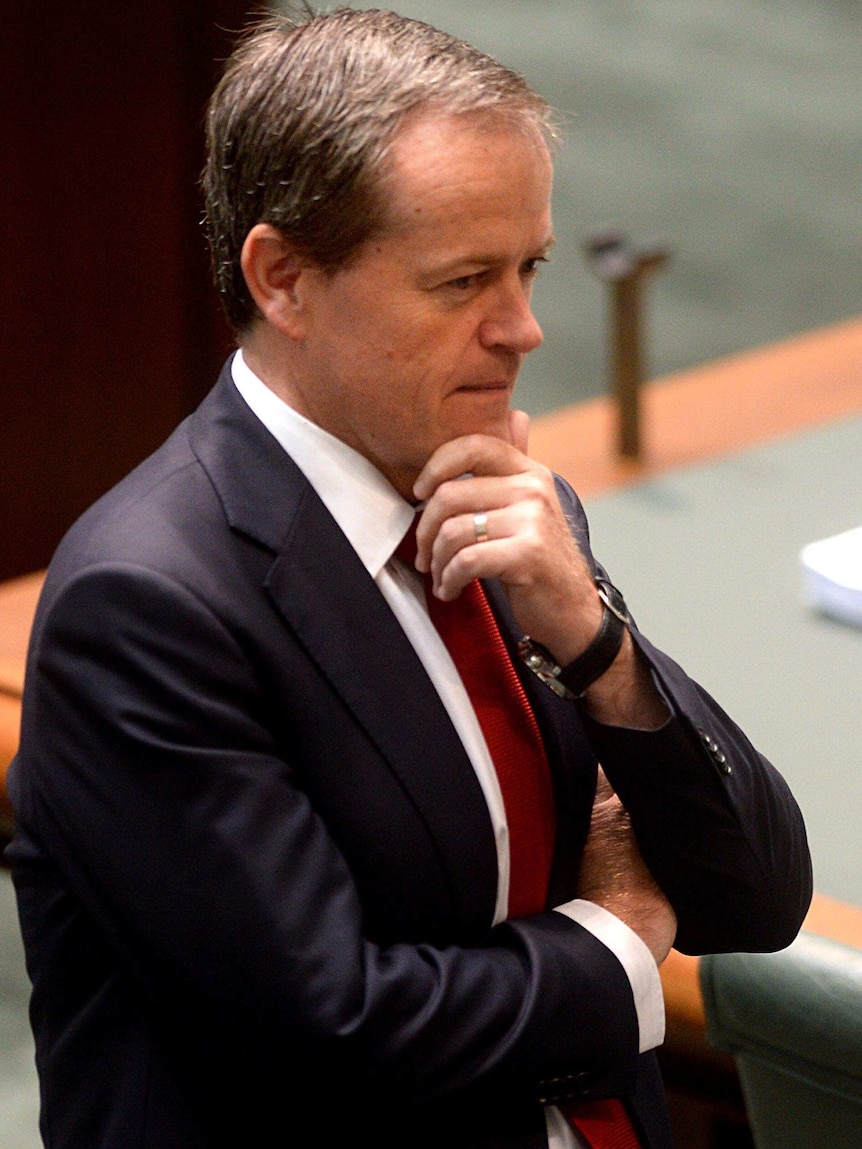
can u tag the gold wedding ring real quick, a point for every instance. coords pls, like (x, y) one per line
(480, 526)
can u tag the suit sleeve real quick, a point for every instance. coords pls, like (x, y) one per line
(148, 774)
(716, 823)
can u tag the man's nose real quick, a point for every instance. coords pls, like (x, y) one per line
(511, 323)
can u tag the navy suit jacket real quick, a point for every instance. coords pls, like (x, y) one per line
(255, 870)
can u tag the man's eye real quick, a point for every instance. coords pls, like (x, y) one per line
(531, 266)
(463, 282)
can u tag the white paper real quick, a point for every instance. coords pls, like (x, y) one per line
(832, 576)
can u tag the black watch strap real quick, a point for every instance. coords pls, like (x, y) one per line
(604, 648)
(573, 680)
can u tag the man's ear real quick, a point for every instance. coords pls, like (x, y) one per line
(272, 267)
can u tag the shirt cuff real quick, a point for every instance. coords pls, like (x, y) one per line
(635, 958)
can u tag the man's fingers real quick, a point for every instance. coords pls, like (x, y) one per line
(529, 547)
(448, 521)
(468, 455)
(472, 545)
(519, 430)
(479, 560)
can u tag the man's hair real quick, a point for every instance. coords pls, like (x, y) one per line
(299, 128)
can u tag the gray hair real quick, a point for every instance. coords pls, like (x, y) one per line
(300, 125)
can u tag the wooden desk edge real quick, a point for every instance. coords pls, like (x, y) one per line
(10, 726)
(18, 599)
(707, 411)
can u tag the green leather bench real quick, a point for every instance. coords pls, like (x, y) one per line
(793, 1021)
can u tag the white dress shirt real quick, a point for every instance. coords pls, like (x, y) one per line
(374, 518)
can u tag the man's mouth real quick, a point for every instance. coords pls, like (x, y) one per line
(490, 385)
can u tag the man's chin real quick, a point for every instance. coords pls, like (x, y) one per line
(496, 426)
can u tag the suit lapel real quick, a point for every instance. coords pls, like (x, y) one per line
(336, 612)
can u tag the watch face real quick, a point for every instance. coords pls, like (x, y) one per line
(612, 599)
(543, 666)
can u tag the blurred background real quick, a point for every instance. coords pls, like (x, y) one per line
(729, 132)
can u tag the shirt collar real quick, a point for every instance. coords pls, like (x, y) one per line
(367, 508)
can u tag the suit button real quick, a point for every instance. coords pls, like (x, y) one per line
(583, 1083)
(716, 753)
(720, 759)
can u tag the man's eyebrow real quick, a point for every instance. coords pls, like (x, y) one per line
(488, 259)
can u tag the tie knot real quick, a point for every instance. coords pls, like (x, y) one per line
(407, 548)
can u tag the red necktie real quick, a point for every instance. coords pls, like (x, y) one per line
(602, 1124)
(471, 635)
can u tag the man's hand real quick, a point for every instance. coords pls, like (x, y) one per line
(614, 875)
(530, 549)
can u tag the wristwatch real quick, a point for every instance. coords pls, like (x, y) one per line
(573, 680)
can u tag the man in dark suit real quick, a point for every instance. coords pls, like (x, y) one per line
(275, 883)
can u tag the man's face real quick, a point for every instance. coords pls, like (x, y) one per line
(420, 339)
